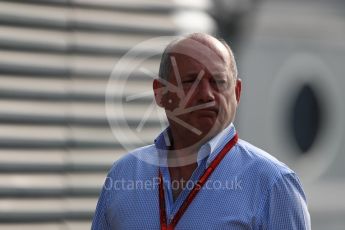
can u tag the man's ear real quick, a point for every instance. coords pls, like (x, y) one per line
(159, 91)
(238, 89)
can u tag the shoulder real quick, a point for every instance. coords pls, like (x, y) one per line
(134, 160)
(282, 200)
(272, 175)
(260, 163)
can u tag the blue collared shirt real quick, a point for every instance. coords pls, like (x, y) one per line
(250, 189)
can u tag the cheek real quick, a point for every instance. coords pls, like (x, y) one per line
(171, 101)
(226, 104)
(230, 97)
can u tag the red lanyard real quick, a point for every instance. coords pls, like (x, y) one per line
(195, 190)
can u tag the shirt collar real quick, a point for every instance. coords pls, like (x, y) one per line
(209, 150)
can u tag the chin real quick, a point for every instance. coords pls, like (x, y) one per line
(206, 125)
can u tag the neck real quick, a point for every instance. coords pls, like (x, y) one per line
(186, 139)
(182, 157)
(184, 148)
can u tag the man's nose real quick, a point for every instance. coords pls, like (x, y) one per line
(205, 91)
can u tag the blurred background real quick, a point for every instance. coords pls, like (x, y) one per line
(56, 57)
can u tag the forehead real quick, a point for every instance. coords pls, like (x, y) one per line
(210, 54)
(187, 64)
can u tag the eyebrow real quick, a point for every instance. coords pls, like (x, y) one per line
(220, 73)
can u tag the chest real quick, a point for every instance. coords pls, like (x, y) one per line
(179, 177)
(215, 207)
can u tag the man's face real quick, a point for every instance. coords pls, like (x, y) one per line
(202, 96)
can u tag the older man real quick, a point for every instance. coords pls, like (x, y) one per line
(202, 177)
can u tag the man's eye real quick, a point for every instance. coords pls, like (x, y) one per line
(219, 81)
(220, 84)
(188, 81)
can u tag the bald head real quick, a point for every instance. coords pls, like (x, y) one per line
(196, 45)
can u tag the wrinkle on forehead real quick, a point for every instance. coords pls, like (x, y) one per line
(201, 46)
(191, 66)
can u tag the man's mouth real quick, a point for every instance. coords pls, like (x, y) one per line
(208, 112)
